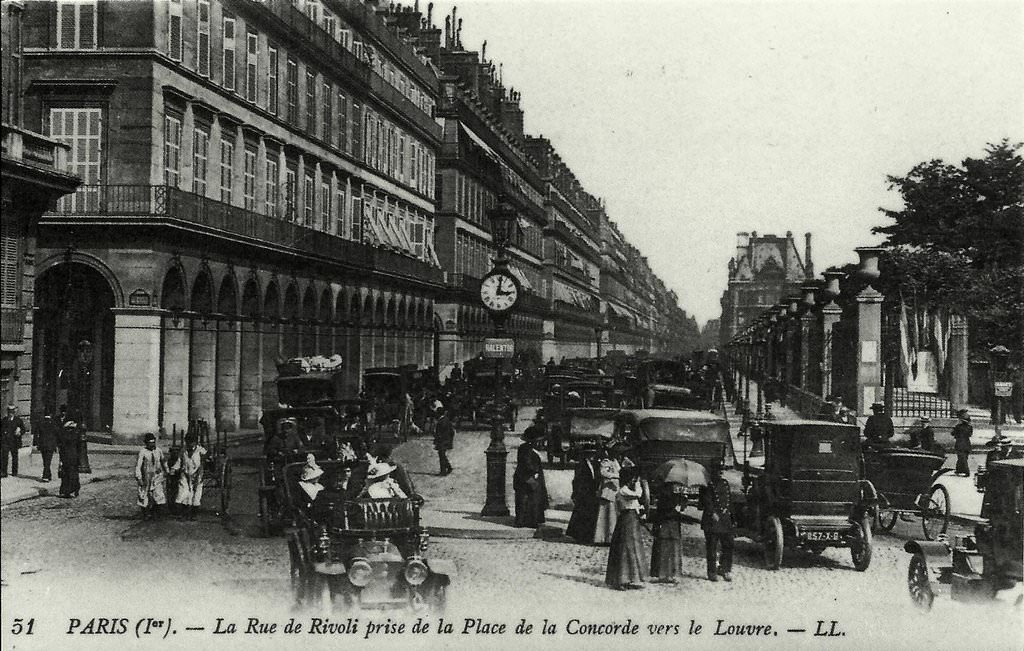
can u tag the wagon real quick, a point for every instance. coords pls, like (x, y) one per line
(902, 479)
(362, 554)
(809, 493)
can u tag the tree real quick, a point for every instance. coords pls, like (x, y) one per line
(976, 210)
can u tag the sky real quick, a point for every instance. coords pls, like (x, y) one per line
(698, 120)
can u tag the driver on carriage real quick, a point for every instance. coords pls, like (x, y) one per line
(309, 437)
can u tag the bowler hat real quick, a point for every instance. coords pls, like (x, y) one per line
(877, 405)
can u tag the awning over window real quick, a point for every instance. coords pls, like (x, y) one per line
(520, 276)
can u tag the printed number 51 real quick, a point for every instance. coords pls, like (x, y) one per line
(21, 626)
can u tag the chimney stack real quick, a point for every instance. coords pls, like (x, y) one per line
(808, 263)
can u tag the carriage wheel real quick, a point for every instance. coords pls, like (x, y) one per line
(886, 519)
(225, 486)
(918, 583)
(774, 543)
(860, 546)
(935, 518)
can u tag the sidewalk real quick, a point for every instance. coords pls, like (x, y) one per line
(107, 462)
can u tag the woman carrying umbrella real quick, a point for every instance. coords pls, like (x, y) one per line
(673, 477)
(607, 488)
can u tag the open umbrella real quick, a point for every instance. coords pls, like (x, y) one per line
(681, 471)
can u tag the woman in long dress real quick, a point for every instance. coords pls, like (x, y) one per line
(531, 492)
(583, 521)
(607, 488)
(627, 561)
(68, 451)
(667, 552)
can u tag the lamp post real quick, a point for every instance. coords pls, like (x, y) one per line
(499, 293)
(999, 355)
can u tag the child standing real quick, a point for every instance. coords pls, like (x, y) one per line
(150, 472)
(189, 465)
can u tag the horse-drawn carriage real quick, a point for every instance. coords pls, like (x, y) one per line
(361, 553)
(903, 480)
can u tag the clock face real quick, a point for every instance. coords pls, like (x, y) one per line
(499, 292)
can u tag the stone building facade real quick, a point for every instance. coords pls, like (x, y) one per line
(765, 269)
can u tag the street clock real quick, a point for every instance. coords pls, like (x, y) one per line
(499, 291)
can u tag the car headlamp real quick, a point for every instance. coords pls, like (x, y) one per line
(416, 571)
(360, 572)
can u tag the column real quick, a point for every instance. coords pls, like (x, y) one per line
(203, 371)
(956, 361)
(136, 374)
(806, 351)
(830, 315)
(270, 344)
(226, 396)
(176, 341)
(869, 337)
(250, 379)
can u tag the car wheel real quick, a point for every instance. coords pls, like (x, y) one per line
(887, 519)
(774, 543)
(935, 518)
(860, 546)
(918, 583)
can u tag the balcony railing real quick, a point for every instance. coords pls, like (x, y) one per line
(404, 105)
(574, 240)
(171, 203)
(35, 149)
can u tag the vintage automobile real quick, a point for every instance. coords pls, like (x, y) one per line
(362, 554)
(976, 568)
(809, 493)
(584, 417)
(481, 401)
(903, 478)
(659, 435)
(668, 384)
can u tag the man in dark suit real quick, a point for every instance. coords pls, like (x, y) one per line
(584, 498)
(444, 437)
(962, 432)
(47, 438)
(531, 492)
(879, 429)
(11, 429)
(716, 521)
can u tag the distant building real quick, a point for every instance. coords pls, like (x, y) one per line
(34, 173)
(765, 269)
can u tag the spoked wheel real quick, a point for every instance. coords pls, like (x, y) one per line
(773, 543)
(918, 582)
(860, 546)
(225, 486)
(886, 519)
(935, 518)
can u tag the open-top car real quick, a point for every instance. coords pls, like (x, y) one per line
(659, 435)
(361, 553)
(809, 493)
(981, 567)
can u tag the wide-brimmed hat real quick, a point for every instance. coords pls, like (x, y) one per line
(379, 470)
(310, 473)
(437, 405)
(70, 424)
(877, 405)
(963, 413)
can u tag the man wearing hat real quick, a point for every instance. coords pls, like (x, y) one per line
(585, 479)
(150, 475)
(11, 430)
(716, 522)
(531, 494)
(922, 435)
(878, 429)
(47, 439)
(444, 437)
(962, 432)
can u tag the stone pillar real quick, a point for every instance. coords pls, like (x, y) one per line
(379, 347)
(869, 353)
(549, 345)
(203, 371)
(250, 379)
(956, 361)
(806, 351)
(136, 374)
(176, 341)
(789, 343)
(829, 317)
(270, 344)
(226, 389)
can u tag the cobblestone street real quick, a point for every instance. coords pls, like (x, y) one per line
(92, 557)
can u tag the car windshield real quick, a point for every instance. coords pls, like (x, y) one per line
(672, 429)
(592, 426)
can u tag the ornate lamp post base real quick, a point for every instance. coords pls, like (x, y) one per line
(497, 453)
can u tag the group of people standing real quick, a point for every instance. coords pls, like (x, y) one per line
(52, 434)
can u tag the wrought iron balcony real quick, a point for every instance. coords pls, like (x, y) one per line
(170, 205)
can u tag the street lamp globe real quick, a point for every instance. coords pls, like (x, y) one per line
(503, 219)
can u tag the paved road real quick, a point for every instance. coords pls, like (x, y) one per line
(92, 557)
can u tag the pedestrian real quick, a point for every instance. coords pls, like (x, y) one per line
(627, 560)
(68, 451)
(189, 467)
(923, 436)
(667, 551)
(150, 476)
(11, 429)
(531, 493)
(962, 432)
(608, 469)
(585, 480)
(878, 430)
(444, 438)
(716, 522)
(47, 440)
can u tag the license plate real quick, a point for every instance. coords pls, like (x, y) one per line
(822, 536)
